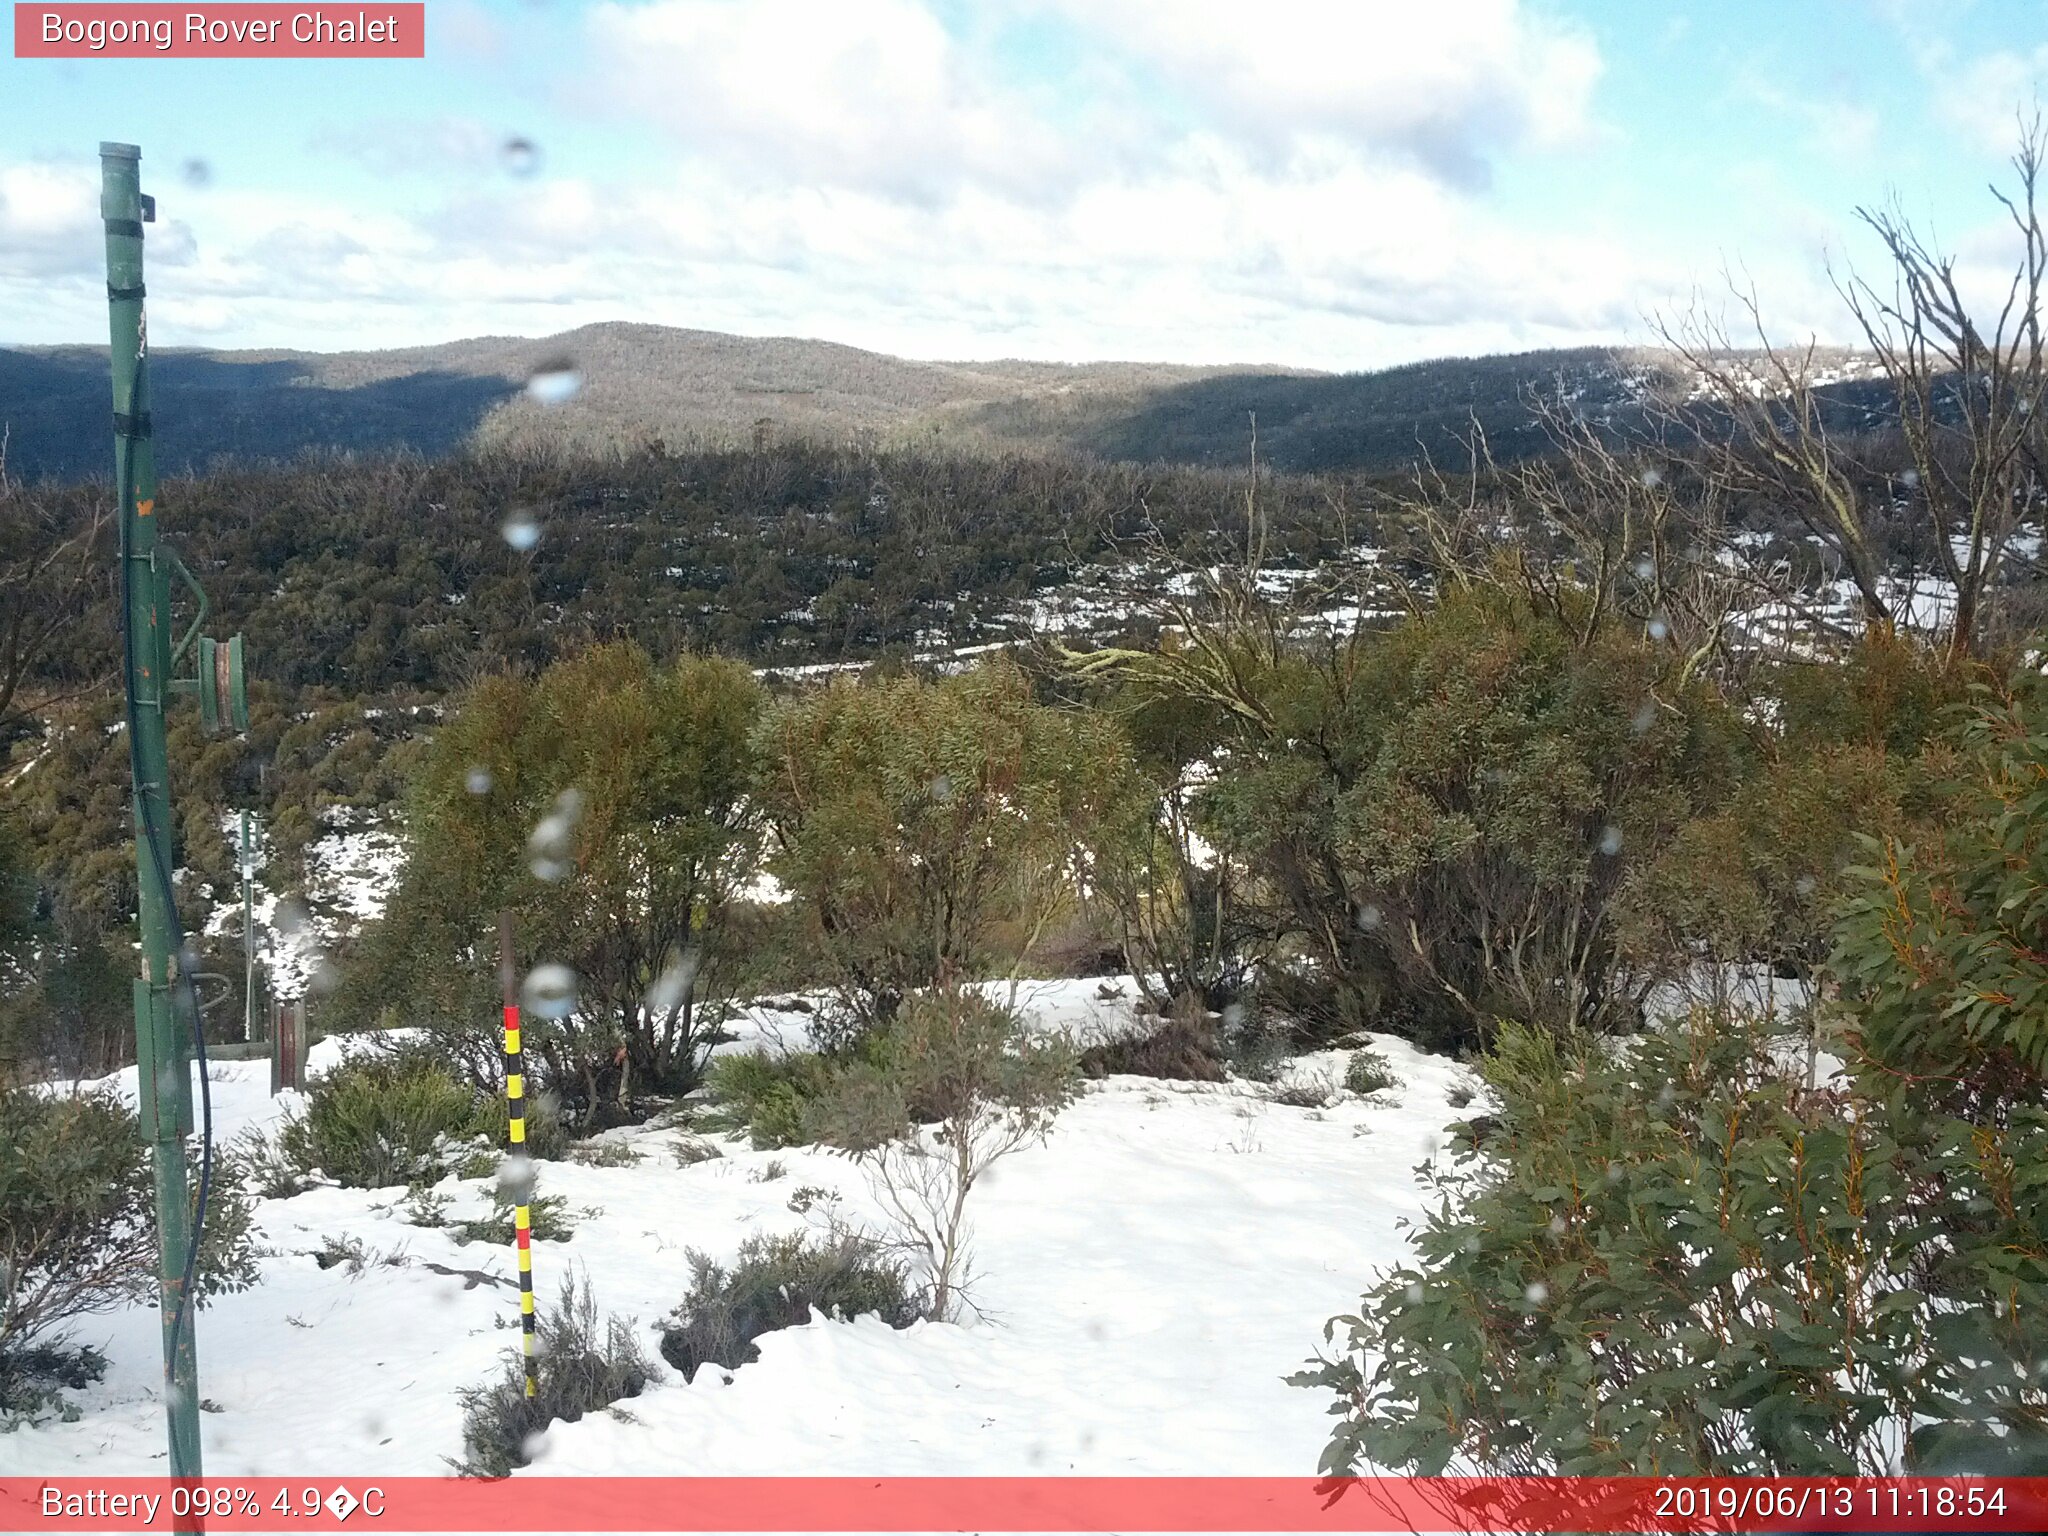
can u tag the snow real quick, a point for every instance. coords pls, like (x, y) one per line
(1146, 1278)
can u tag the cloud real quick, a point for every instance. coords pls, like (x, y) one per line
(1283, 183)
(1445, 85)
(875, 95)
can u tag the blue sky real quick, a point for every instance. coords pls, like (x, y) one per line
(1331, 183)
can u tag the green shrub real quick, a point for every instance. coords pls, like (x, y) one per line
(33, 1381)
(771, 1095)
(1676, 1260)
(779, 1282)
(386, 1118)
(77, 1216)
(1368, 1073)
(547, 1217)
(582, 1368)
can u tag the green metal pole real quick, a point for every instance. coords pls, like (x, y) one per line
(248, 942)
(162, 1049)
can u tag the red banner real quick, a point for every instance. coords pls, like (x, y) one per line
(1006, 1504)
(372, 30)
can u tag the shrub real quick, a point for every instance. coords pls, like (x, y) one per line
(77, 1216)
(771, 1095)
(581, 1370)
(547, 1218)
(33, 1381)
(1181, 1048)
(780, 1282)
(615, 821)
(963, 1066)
(386, 1118)
(1305, 1093)
(1368, 1073)
(1676, 1260)
(603, 1154)
(928, 830)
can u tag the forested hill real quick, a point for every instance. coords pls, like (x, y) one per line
(637, 383)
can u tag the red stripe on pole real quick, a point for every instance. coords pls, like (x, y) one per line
(1007, 1504)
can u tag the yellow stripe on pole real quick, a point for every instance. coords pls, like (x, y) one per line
(519, 1128)
(526, 1301)
(511, 1042)
(515, 1085)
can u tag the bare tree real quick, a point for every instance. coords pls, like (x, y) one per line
(1968, 403)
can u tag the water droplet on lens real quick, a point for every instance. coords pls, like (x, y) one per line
(1414, 1292)
(1909, 478)
(197, 172)
(1645, 569)
(1644, 717)
(1652, 478)
(1804, 885)
(521, 530)
(942, 789)
(1660, 627)
(1537, 1294)
(1610, 840)
(554, 381)
(549, 992)
(550, 848)
(520, 155)
(479, 780)
(515, 1178)
(1369, 916)
(670, 987)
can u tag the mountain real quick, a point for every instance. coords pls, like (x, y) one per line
(634, 382)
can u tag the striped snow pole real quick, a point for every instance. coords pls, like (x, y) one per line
(515, 1134)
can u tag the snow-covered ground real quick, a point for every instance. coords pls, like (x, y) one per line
(1147, 1277)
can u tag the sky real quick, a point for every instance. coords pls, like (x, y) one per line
(1339, 184)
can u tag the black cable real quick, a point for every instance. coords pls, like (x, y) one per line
(188, 994)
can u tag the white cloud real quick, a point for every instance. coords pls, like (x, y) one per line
(1288, 183)
(1445, 84)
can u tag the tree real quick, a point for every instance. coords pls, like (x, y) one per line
(1969, 395)
(53, 566)
(1677, 1258)
(931, 829)
(1445, 817)
(605, 805)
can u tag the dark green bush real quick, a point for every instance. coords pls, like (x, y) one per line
(77, 1207)
(778, 1282)
(1368, 1072)
(582, 1369)
(388, 1118)
(547, 1218)
(1675, 1260)
(33, 1381)
(771, 1095)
